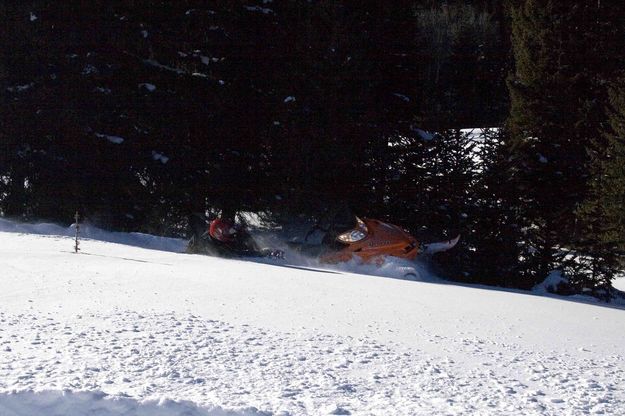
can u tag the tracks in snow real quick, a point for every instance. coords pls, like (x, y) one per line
(210, 362)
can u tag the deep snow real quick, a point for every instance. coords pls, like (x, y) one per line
(120, 329)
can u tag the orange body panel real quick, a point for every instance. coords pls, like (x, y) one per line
(382, 240)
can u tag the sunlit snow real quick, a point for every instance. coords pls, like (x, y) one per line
(123, 330)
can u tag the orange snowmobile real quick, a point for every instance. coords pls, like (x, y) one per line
(371, 241)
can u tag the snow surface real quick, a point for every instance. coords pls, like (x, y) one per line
(67, 403)
(89, 232)
(125, 330)
(550, 284)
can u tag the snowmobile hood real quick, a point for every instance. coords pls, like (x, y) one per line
(373, 240)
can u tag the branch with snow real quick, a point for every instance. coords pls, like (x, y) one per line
(110, 138)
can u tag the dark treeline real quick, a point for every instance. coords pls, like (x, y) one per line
(140, 114)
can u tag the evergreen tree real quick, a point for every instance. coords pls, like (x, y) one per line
(463, 59)
(556, 110)
(347, 86)
(496, 249)
(603, 214)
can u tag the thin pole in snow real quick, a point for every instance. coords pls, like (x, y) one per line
(76, 218)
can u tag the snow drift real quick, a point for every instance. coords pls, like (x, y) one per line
(90, 232)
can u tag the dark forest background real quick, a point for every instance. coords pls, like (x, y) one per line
(141, 113)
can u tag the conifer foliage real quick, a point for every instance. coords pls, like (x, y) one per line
(557, 113)
(602, 215)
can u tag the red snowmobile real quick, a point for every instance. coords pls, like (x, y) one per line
(367, 240)
(372, 241)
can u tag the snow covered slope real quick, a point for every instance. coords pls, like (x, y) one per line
(125, 330)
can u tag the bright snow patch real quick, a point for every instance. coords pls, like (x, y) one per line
(21, 88)
(156, 64)
(119, 330)
(159, 157)
(89, 70)
(264, 10)
(148, 86)
(425, 135)
(550, 284)
(402, 96)
(112, 139)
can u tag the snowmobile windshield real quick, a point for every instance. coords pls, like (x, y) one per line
(354, 235)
